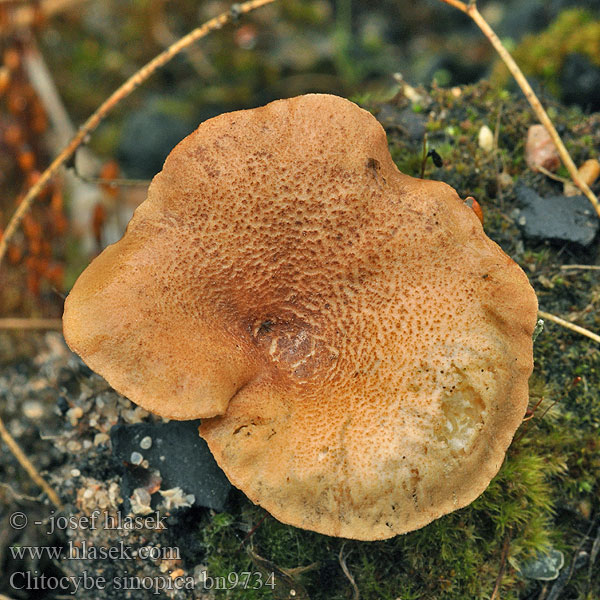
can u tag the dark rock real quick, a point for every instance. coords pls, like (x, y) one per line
(409, 122)
(455, 68)
(556, 218)
(521, 18)
(147, 138)
(67, 382)
(580, 82)
(180, 455)
(62, 404)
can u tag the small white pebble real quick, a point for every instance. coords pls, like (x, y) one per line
(146, 443)
(504, 180)
(486, 139)
(88, 493)
(16, 428)
(100, 438)
(142, 495)
(75, 472)
(133, 415)
(174, 498)
(140, 502)
(136, 458)
(74, 414)
(114, 494)
(33, 409)
(141, 413)
(200, 572)
(85, 390)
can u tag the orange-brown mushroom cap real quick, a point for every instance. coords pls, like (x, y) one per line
(357, 347)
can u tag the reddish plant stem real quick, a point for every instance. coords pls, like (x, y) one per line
(122, 92)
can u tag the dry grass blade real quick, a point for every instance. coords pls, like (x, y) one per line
(122, 92)
(567, 325)
(342, 560)
(580, 267)
(471, 10)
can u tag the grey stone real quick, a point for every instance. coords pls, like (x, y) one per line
(147, 137)
(544, 567)
(180, 455)
(408, 121)
(556, 218)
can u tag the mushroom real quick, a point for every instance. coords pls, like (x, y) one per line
(357, 348)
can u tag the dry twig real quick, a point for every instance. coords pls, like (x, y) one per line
(11, 323)
(122, 92)
(567, 325)
(503, 558)
(552, 175)
(114, 183)
(28, 465)
(471, 10)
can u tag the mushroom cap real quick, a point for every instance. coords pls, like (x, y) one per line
(358, 349)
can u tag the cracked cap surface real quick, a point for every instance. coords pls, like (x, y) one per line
(357, 347)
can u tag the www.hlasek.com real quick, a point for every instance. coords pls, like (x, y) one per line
(85, 551)
(73, 584)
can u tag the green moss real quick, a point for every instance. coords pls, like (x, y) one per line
(457, 556)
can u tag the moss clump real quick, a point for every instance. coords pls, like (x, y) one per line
(542, 55)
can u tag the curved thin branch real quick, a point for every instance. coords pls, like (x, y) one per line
(122, 92)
